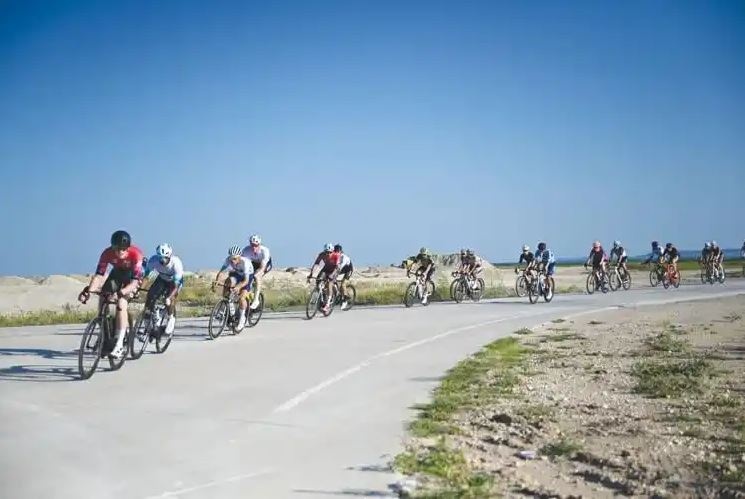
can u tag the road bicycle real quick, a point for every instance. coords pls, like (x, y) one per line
(149, 326)
(671, 277)
(521, 283)
(656, 274)
(619, 278)
(415, 290)
(318, 298)
(536, 287)
(99, 338)
(592, 281)
(466, 285)
(226, 312)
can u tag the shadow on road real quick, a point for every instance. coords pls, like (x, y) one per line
(347, 492)
(39, 373)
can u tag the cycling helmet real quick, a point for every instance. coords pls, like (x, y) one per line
(596, 244)
(616, 243)
(714, 244)
(423, 251)
(668, 245)
(707, 244)
(655, 244)
(164, 251)
(120, 239)
(234, 251)
(337, 247)
(469, 252)
(541, 246)
(328, 247)
(462, 251)
(526, 248)
(255, 239)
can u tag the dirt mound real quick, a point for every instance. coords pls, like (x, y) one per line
(60, 280)
(15, 281)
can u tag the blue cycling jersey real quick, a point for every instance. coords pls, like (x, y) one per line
(545, 256)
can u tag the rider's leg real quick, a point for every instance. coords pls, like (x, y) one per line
(258, 278)
(243, 306)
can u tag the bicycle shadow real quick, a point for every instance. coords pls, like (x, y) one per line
(39, 372)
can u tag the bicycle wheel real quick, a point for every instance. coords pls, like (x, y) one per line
(626, 281)
(614, 281)
(163, 340)
(703, 276)
(324, 299)
(114, 363)
(533, 290)
(410, 295)
(604, 283)
(521, 287)
(676, 279)
(254, 315)
(654, 278)
(350, 296)
(460, 291)
(311, 306)
(452, 289)
(141, 335)
(218, 319)
(91, 345)
(722, 276)
(478, 291)
(591, 283)
(548, 294)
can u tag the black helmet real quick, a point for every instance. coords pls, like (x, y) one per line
(655, 244)
(669, 245)
(337, 247)
(121, 239)
(541, 246)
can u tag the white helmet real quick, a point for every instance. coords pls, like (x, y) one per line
(707, 244)
(254, 239)
(526, 247)
(164, 251)
(616, 243)
(328, 247)
(713, 244)
(234, 251)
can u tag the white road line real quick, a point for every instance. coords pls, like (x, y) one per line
(300, 398)
(237, 478)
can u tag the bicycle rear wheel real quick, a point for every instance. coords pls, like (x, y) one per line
(350, 295)
(478, 291)
(91, 345)
(141, 336)
(218, 319)
(254, 316)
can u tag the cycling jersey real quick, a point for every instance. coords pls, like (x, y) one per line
(597, 257)
(330, 259)
(243, 268)
(705, 253)
(656, 254)
(344, 260)
(423, 261)
(545, 256)
(259, 254)
(526, 257)
(130, 263)
(173, 272)
(742, 251)
(671, 253)
(619, 252)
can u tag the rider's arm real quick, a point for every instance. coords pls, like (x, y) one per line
(178, 276)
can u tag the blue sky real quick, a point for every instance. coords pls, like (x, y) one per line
(383, 125)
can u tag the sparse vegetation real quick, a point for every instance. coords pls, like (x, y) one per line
(670, 378)
(562, 447)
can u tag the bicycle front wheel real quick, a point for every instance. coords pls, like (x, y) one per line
(218, 319)
(521, 287)
(548, 294)
(591, 283)
(163, 340)
(311, 306)
(141, 336)
(410, 295)
(478, 291)
(654, 278)
(350, 295)
(254, 315)
(460, 291)
(614, 281)
(626, 281)
(91, 345)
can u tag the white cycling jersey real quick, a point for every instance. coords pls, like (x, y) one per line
(344, 260)
(173, 272)
(243, 267)
(259, 255)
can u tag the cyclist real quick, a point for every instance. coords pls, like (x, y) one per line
(170, 279)
(123, 281)
(599, 261)
(526, 256)
(345, 272)
(621, 256)
(240, 277)
(462, 262)
(717, 255)
(671, 256)
(329, 271)
(742, 250)
(474, 265)
(261, 259)
(705, 258)
(544, 259)
(425, 265)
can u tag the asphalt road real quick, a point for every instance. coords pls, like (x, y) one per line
(291, 408)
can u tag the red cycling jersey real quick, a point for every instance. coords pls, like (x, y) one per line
(330, 259)
(132, 261)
